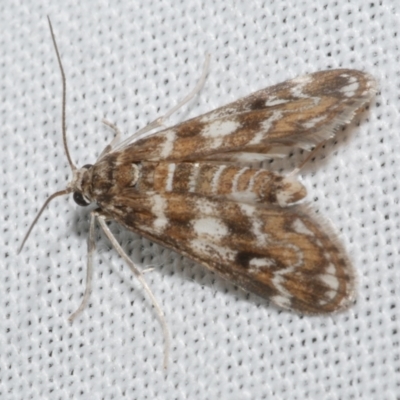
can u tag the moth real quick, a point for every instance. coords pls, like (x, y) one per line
(194, 188)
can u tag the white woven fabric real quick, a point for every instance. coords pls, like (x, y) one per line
(129, 62)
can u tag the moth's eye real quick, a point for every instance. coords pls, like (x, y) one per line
(80, 200)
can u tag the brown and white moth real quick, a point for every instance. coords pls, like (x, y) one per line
(191, 187)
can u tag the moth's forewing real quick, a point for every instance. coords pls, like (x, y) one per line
(300, 112)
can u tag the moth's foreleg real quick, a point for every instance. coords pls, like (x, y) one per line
(161, 120)
(192, 94)
(139, 275)
(114, 142)
(89, 269)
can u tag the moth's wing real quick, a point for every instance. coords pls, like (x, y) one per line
(284, 255)
(300, 112)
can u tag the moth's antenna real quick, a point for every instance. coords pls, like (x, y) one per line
(49, 199)
(64, 95)
(64, 135)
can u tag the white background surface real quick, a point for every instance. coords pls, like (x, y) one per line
(129, 61)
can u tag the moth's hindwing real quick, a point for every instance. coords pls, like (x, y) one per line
(277, 253)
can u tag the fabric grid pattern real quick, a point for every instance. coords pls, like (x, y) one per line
(130, 62)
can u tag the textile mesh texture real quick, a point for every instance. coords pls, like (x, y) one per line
(130, 62)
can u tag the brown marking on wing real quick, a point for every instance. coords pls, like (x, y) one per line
(310, 269)
(310, 109)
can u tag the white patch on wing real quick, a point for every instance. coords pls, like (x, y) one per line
(219, 129)
(278, 280)
(256, 229)
(331, 269)
(301, 80)
(265, 127)
(284, 197)
(313, 122)
(279, 277)
(170, 177)
(299, 227)
(242, 197)
(213, 115)
(291, 187)
(350, 89)
(204, 249)
(256, 225)
(135, 174)
(168, 144)
(300, 83)
(297, 91)
(258, 264)
(158, 209)
(206, 118)
(281, 301)
(331, 281)
(253, 157)
(275, 101)
(329, 296)
(210, 226)
(206, 207)
(247, 210)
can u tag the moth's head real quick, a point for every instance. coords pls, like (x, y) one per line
(79, 185)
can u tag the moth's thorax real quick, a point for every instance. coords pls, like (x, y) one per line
(108, 177)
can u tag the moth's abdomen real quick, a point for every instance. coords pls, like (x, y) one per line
(230, 181)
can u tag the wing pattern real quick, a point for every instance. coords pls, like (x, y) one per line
(280, 254)
(300, 112)
(186, 188)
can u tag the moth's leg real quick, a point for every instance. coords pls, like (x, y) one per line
(160, 120)
(193, 93)
(148, 269)
(102, 221)
(116, 139)
(89, 269)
